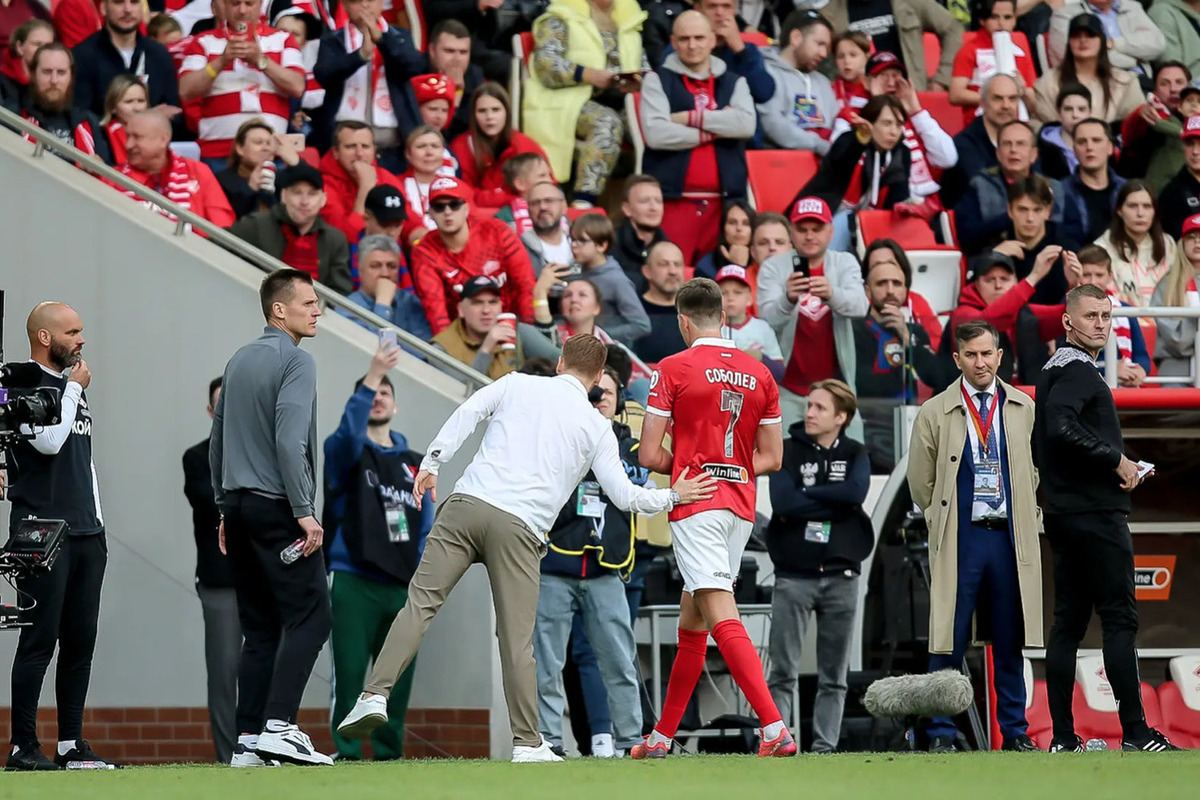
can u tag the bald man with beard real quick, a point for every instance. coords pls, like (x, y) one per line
(189, 184)
(53, 477)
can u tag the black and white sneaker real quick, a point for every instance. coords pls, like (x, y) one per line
(81, 756)
(245, 757)
(291, 745)
(29, 758)
(1153, 742)
(1067, 746)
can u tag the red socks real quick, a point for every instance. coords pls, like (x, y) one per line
(746, 668)
(685, 673)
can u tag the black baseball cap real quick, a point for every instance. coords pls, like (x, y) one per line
(386, 204)
(1086, 22)
(984, 262)
(478, 285)
(303, 172)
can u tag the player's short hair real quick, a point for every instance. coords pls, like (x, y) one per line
(279, 287)
(1095, 254)
(700, 301)
(843, 397)
(585, 354)
(1076, 295)
(538, 365)
(970, 331)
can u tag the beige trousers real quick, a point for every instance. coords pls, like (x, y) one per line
(467, 530)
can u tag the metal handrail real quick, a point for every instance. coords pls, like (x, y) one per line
(1110, 347)
(44, 141)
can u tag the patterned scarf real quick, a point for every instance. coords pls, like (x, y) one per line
(175, 183)
(1120, 331)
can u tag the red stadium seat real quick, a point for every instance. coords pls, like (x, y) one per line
(1179, 702)
(1095, 708)
(575, 213)
(937, 268)
(1150, 334)
(756, 38)
(933, 53)
(949, 117)
(911, 232)
(776, 176)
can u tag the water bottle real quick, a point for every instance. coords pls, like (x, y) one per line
(292, 552)
(1095, 744)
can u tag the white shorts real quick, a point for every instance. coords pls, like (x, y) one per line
(708, 549)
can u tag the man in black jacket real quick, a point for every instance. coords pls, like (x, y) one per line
(350, 62)
(48, 103)
(1086, 479)
(817, 538)
(119, 48)
(448, 53)
(214, 585)
(642, 207)
(481, 18)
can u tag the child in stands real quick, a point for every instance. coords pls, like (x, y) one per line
(521, 173)
(851, 50)
(751, 334)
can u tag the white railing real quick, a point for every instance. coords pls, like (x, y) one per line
(187, 221)
(1110, 347)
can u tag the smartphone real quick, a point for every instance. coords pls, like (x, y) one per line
(800, 264)
(296, 140)
(387, 338)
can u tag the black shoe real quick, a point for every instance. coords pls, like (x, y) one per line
(942, 744)
(29, 758)
(81, 756)
(558, 750)
(1067, 746)
(1152, 742)
(1020, 744)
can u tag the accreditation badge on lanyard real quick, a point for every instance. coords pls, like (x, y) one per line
(987, 464)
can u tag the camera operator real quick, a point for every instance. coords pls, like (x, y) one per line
(53, 477)
(377, 536)
(970, 471)
(817, 539)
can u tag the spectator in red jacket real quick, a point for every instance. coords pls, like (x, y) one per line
(76, 20)
(462, 248)
(15, 12)
(16, 65)
(423, 151)
(126, 98)
(187, 183)
(491, 141)
(350, 174)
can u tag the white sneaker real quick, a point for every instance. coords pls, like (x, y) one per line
(292, 745)
(369, 713)
(534, 755)
(244, 757)
(602, 746)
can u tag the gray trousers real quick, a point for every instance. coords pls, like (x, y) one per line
(222, 655)
(606, 623)
(834, 599)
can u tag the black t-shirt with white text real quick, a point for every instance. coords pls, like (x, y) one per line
(60, 485)
(876, 20)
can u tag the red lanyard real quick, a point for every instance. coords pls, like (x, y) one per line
(982, 427)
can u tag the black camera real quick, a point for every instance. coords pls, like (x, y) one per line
(23, 402)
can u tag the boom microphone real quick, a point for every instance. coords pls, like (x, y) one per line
(944, 693)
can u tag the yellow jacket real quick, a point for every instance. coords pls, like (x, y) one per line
(549, 115)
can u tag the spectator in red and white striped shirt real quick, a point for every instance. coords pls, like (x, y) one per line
(241, 70)
(463, 248)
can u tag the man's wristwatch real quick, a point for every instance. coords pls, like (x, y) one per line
(675, 498)
(263, 61)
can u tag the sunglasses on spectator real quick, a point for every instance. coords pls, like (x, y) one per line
(442, 206)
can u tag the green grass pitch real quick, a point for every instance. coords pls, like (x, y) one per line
(873, 776)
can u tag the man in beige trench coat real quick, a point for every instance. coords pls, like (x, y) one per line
(970, 470)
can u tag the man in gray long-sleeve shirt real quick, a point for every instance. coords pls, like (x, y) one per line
(262, 453)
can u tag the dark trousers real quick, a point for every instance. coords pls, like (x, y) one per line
(67, 607)
(222, 656)
(1093, 569)
(283, 608)
(988, 561)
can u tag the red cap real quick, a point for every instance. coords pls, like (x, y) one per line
(1191, 128)
(811, 208)
(733, 272)
(881, 60)
(446, 186)
(1192, 223)
(433, 87)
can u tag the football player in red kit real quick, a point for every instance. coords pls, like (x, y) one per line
(723, 408)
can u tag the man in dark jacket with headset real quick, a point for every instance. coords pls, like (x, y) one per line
(589, 548)
(377, 538)
(817, 539)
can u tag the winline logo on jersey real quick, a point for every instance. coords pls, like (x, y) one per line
(727, 472)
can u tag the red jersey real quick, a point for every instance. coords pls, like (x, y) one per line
(716, 397)
(493, 250)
